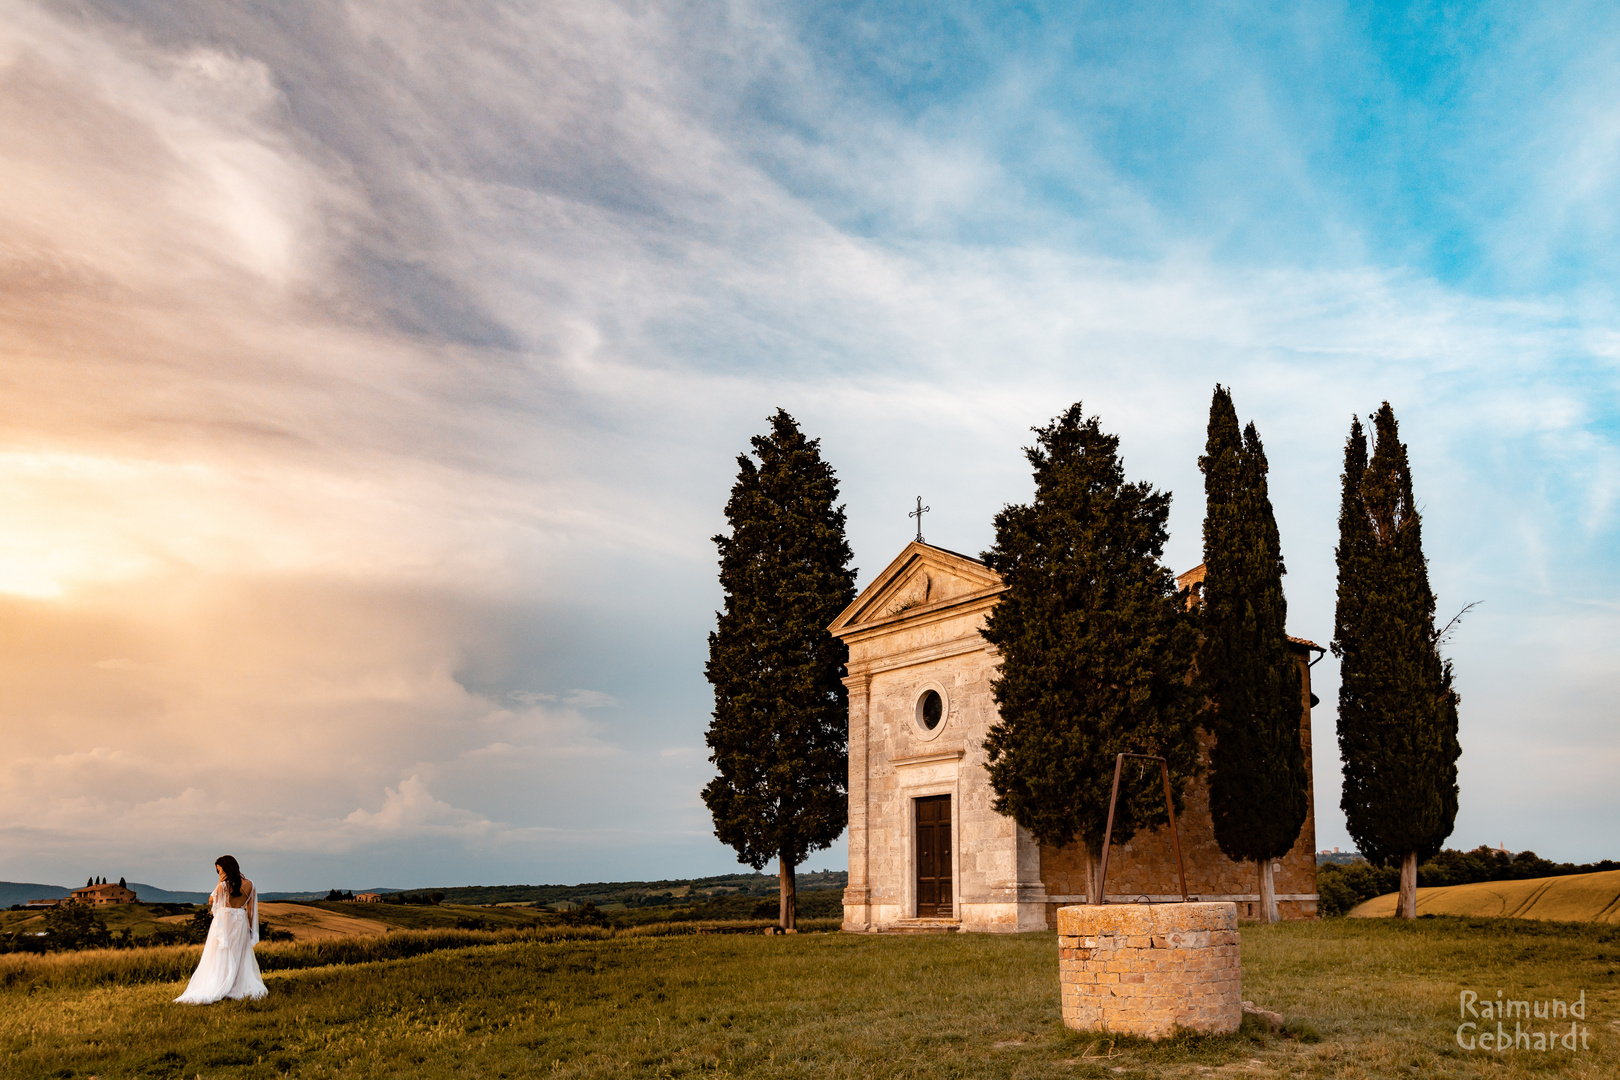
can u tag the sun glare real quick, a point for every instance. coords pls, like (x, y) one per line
(19, 579)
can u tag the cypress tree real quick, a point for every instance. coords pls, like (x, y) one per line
(1096, 647)
(780, 732)
(1250, 679)
(1397, 706)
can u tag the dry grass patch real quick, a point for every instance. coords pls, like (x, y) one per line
(307, 922)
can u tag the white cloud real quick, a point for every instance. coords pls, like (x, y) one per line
(410, 807)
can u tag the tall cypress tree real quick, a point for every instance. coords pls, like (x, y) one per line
(780, 731)
(1096, 647)
(1257, 787)
(1397, 706)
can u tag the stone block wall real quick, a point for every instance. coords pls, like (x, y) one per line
(1149, 969)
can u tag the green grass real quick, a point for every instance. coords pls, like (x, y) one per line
(32, 972)
(428, 916)
(1364, 998)
(142, 919)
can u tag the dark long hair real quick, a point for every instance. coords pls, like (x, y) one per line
(233, 873)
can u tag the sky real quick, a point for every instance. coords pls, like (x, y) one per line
(373, 376)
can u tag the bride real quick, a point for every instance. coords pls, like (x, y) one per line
(227, 968)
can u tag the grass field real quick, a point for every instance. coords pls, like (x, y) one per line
(318, 920)
(1576, 898)
(307, 921)
(140, 918)
(1364, 998)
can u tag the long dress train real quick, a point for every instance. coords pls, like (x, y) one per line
(228, 968)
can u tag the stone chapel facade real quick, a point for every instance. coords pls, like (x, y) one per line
(925, 847)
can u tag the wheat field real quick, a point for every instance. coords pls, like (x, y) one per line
(1576, 898)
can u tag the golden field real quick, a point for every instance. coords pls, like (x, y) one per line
(1575, 898)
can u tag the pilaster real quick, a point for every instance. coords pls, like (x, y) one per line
(1028, 888)
(858, 896)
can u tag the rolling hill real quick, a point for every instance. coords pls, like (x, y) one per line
(1574, 898)
(20, 892)
(605, 894)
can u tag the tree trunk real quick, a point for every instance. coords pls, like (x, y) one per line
(789, 908)
(1407, 908)
(1268, 892)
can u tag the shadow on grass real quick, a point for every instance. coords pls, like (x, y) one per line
(1182, 1048)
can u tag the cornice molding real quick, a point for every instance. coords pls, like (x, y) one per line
(929, 759)
(923, 654)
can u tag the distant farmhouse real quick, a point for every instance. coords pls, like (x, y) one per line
(368, 898)
(94, 893)
(103, 894)
(925, 847)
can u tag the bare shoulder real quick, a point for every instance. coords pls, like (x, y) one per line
(247, 886)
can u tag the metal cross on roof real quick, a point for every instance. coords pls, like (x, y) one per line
(918, 513)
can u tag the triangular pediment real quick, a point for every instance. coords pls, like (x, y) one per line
(920, 579)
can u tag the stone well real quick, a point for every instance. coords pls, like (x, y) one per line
(1147, 969)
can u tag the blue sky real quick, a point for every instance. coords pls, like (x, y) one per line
(373, 379)
(1460, 141)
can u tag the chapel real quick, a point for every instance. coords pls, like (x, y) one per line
(926, 850)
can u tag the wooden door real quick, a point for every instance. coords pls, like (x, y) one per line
(934, 857)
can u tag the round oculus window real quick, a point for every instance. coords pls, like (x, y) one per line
(930, 709)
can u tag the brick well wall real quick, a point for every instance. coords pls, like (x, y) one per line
(1149, 969)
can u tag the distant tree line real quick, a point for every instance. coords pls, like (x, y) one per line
(423, 898)
(629, 893)
(812, 904)
(1344, 885)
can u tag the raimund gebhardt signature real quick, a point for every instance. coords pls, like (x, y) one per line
(1537, 1025)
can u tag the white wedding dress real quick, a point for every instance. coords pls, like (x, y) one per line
(228, 968)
